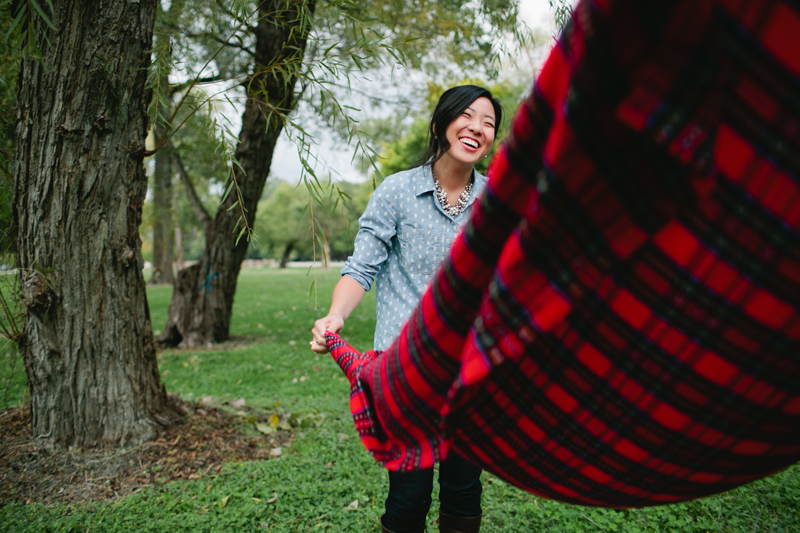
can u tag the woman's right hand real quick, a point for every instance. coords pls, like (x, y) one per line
(333, 323)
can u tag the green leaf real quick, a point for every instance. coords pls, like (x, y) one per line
(244, 228)
(228, 190)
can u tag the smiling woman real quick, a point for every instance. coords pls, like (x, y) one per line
(408, 227)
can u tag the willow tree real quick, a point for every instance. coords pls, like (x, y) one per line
(300, 49)
(79, 185)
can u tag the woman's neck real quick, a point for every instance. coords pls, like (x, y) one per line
(453, 176)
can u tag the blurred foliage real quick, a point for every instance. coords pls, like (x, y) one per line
(9, 69)
(284, 221)
(563, 11)
(208, 172)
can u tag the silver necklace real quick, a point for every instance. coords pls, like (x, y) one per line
(441, 196)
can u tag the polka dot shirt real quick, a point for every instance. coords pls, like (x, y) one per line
(403, 236)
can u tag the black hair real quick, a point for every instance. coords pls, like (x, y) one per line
(450, 106)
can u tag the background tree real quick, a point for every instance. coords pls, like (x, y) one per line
(198, 172)
(202, 298)
(79, 185)
(285, 228)
(9, 68)
(163, 236)
(345, 36)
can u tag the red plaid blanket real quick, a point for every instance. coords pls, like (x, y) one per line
(618, 324)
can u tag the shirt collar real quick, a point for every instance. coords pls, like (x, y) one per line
(423, 180)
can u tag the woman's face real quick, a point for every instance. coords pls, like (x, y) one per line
(471, 134)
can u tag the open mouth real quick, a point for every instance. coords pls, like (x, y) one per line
(472, 143)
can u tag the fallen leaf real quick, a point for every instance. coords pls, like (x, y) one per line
(206, 399)
(274, 498)
(266, 429)
(239, 403)
(224, 501)
(275, 452)
(353, 506)
(256, 500)
(329, 465)
(274, 420)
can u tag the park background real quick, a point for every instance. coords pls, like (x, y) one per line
(269, 444)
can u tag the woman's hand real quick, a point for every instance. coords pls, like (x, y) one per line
(346, 296)
(333, 323)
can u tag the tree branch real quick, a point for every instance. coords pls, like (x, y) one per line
(197, 205)
(181, 86)
(216, 38)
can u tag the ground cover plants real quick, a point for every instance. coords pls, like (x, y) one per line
(275, 449)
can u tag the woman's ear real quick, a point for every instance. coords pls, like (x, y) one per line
(433, 131)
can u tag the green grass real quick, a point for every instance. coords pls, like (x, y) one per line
(325, 469)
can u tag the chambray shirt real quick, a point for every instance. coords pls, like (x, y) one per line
(403, 236)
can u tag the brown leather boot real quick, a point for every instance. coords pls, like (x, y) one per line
(456, 524)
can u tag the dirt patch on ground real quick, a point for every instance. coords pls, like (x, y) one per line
(197, 448)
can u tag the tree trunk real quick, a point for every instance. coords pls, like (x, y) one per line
(163, 240)
(287, 251)
(200, 310)
(178, 247)
(79, 186)
(162, 210)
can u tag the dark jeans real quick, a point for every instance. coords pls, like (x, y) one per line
(409, 496)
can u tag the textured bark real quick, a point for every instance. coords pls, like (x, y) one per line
(200, 310)
(79, 187)
(163, 236)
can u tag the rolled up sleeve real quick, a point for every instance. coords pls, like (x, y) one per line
(376, 228)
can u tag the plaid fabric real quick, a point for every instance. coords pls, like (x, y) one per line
(618, 324)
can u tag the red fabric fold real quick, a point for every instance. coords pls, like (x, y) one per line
(619, 322)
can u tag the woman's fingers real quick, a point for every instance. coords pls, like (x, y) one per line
(329, 323)
(318, 348)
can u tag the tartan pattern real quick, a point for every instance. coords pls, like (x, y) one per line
(619, 323)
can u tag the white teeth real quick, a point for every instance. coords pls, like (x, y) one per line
(469, 142)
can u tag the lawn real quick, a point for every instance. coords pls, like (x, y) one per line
(314, 484)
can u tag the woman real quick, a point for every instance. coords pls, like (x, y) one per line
(404, 233)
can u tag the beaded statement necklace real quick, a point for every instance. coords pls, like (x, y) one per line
(441, 196)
